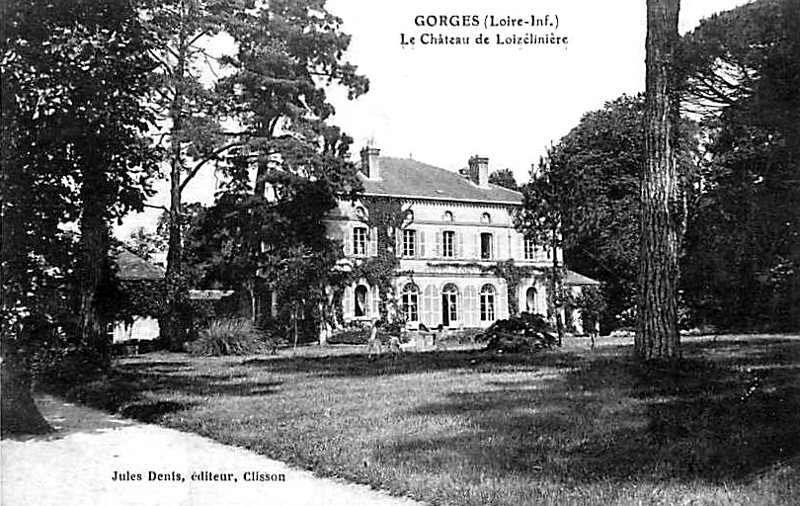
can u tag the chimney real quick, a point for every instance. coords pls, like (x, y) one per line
(479, 171)
(370, 164)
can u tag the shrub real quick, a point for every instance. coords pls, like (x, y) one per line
(353, 335)
(236, 336)
(524, 333)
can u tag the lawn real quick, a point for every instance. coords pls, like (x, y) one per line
(569, 426)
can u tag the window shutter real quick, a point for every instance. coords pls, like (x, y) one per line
(460, 247)
(438, 243)
(348, 241)
(501, 302)
(373, 242)
(399, 234)
(375, 299)
(470, 307)
(347, 303)
(420, 243)
(476, 251)
(429, 307)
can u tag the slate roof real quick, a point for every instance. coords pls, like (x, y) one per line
(131, 267)
(403, 177)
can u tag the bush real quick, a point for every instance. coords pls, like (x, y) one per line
(353, 335)
(228, 337)
(465, 336)
(525, 333)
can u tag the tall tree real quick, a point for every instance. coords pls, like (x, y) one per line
(289, 51)
(742, 72)
(504, 178)
(191, 116)
(541, 220)
(73, 87)
(657, 334)
(595, 170)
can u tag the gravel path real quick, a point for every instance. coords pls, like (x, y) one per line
(76, 466)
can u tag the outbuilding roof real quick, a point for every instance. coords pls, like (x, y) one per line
(131, 267)
(575, 279)
(404, 177)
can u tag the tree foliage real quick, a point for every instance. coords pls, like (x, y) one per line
(504, 178)
(743, 261)
(73, 119)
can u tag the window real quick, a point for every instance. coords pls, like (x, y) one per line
(530, 249)
(361, 301)
(486, 218)
(409, 216)
(486, 246)
(449, 304)
(448, 216)
(487, 303)
(361, 214)
(448, 243)
(360, 241)
(409, 243)
(410, 302)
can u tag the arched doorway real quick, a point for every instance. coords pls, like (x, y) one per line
(449, 304)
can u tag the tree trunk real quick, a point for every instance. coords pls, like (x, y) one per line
(174, 330)
(555, 290)
(657, 334)
(93, 274)
(20, 414)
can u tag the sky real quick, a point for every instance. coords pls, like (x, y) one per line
(442, 103)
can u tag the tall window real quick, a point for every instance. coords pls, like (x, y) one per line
(450, 304)
(486, 246)
(530, 249)
(360, 241)
(409, 243)
(410, 302)
(487, 303)
(361, 301)
(448, 243)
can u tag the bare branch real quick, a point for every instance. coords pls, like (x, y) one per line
(207, 159)
(152, 206)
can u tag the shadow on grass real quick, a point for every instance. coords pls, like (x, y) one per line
(138, 389)
(150, 412)
(412, 363)
(716, 420)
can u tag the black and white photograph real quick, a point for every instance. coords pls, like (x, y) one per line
(417, 253)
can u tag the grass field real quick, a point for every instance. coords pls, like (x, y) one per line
(570, 426)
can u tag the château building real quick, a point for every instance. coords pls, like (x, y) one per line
(457, 229)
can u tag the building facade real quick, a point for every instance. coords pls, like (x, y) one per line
(457, 229)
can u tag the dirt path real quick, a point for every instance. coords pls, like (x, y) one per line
(76, 466)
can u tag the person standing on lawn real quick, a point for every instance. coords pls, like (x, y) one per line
(373, 343)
